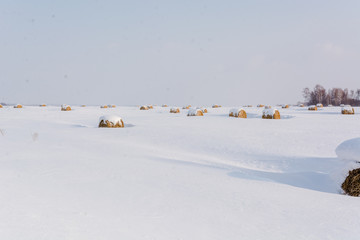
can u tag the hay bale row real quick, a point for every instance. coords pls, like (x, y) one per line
(111, 121)
(347, 109)
(238, 113)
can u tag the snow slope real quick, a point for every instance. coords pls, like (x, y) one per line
(168, 176)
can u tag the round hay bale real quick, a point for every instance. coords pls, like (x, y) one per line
(18, 106)
(174, 110)
(204, 110)
(164, 105)
(150, 107)
(42, 105)
(238, 113)
(144, 108)
(216, 106)
(111, 121)
(285, 106)
(319, 105)
(104, 106)
(195, 112)
(301, 105)
(65, 107)
(347, 109)
(1, 106)
(270, 113)
(187, 107)
(351, 185)
(260, 105)
(312, 108)
(111, 106)
(83, 105)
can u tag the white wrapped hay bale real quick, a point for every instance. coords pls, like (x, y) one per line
(111, 121)
(237, 112)
(195, 112)
(174, 110)
(270, 113)
(347, 109)
(65, 107)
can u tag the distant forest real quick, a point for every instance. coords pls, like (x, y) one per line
(334, 96)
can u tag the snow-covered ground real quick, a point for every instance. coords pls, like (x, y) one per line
(169, 176)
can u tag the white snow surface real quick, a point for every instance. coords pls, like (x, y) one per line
(349, 150)
(167, 176)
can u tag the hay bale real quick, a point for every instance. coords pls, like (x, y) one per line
(216, 106)
(65, 107)
(1, 106)
(319, 105)
(195, 112)
(111, 121)
(187, 107)
(312, 108)
(347, 109)
(174, 110)
(260, 105)
(111, 106)
(164, 105)
(236, 112)
(301, 105)
(150, 107)
(83, 105)
(204, 110)
(351, 185)
(18, 106)
(42, 105)
(270, 113)
(144, 108)
(285, 106)
(104, 106)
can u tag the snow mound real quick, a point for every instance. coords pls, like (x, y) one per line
(349, 150)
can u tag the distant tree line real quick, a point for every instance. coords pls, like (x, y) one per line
(334, 96)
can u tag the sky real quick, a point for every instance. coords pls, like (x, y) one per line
(198, 52)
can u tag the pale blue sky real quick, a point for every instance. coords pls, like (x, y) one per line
(175, 52)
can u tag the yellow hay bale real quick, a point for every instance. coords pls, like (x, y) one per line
(187, 107)
(111, 122)
(18, 106)
(216, 106)
(65, 107)
(113, 106)
(260, 105)
(195, 112)
(144, 108)
(43, 105)
(285, 106)
(104, 106)
(238, 113)
(351, 185)
(174, 110)
(312, 108)
(347, 110)
(1, 106)
(150, 107)
(271, 114)
(164, 105)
